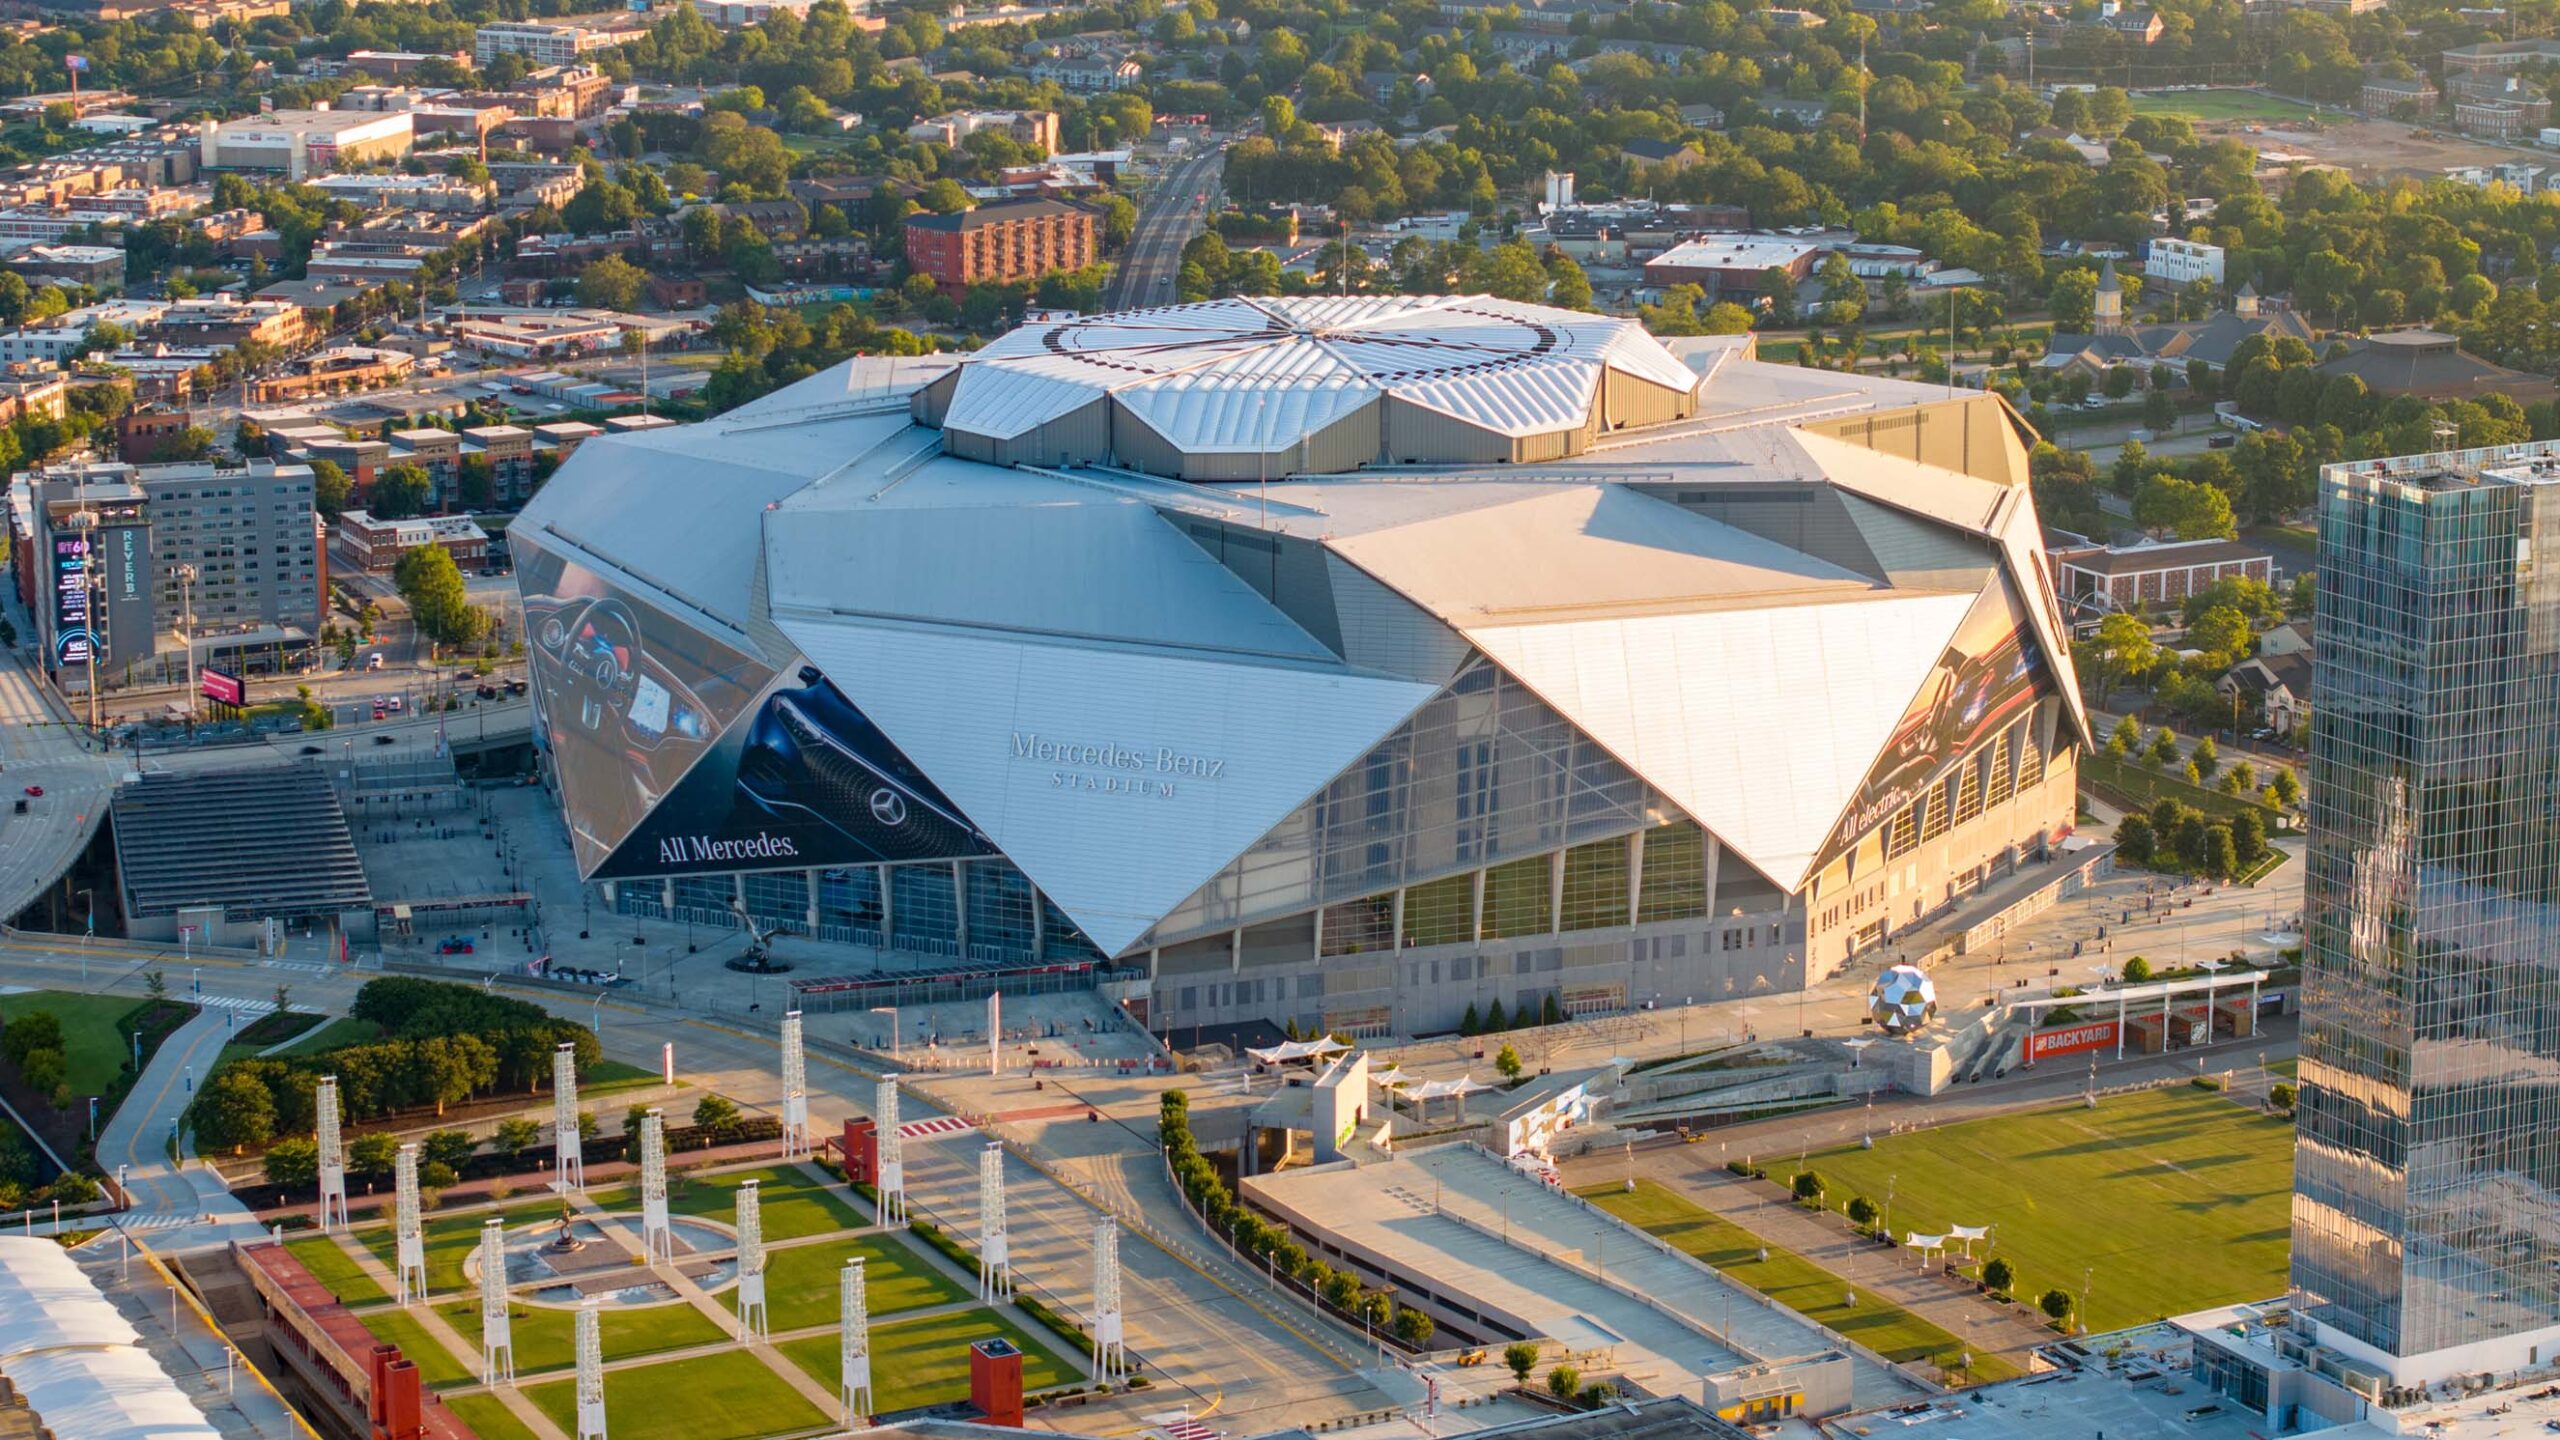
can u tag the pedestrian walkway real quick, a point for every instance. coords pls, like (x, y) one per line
(186, 1195)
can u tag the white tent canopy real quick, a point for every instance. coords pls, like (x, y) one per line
(75, 1360)
(1442, 1089)
(1289, 1050)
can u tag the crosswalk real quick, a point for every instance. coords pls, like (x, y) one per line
(1187, 1430)
(307, 967)
(245, 1004)
(938, 1125)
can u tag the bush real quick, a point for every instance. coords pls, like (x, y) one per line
(371, 1156)
(1507, 1062)
(2283, 1096)
(1862, 1211)
(716, 1115)
(1564, 1382)
(32, 1032)
(437, 1175)
(452, 1149)
(2136, 970)
(1413, 1327)
(1522, 1357)
(293, 1164)
(1808, 1186)
(515, 1136)
(1999, 1274)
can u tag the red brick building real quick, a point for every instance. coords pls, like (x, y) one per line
(1002, 240)
(2119, 578)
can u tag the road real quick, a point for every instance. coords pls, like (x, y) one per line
(1183, 200)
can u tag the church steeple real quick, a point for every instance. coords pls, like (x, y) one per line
(2110, 300)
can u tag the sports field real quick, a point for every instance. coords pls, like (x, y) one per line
(2218, 105)
(674, 1369)
(2166, 1201)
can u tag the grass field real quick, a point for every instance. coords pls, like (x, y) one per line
(2219, 105)
(795, 1204)
(609, 1076)
(545, 1337)
(345, 1030)
(1788, 1278)
(488, 1417)
(93, 1046)
(801, 1281)
(2144, 784)
(926, 1362)
(450, 1240)
(437, 1366)
(331, 1265)
(710, 1397)
(2178, 1199)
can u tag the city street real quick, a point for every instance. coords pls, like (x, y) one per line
(1183, 200)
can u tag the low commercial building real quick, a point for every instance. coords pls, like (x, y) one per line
(2119, 577)
(1028, 127)
(1004, 241)
(1730, 264)
(304, 143)
(227, 323)
(100, 267)
(548, 42)
(375, 546)
(336, 371)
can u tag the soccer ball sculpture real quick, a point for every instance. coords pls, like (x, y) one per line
(1902, 999)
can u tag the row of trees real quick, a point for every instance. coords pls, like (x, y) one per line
(2181, 839)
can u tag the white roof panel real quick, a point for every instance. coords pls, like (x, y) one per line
(1761, 724)
(1171, 764)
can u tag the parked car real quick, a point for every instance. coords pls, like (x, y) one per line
(35, 792)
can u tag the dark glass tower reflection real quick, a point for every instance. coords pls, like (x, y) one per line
(2426, 1210)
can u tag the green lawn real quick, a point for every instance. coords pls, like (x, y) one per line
(2140, 783)
(546, 1337)
(96, 1050)
(488, 1417)
(343, 1031)
(436, 1365)
(2178, 1198)
(331, 1265)
(926, 1362)
(710, 1397)
(801, 1283)
(1788, 1278)
(607, 1077)
(450, 1240)
(795, 1204)
(2220, 105)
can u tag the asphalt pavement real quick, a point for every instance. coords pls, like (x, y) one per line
(1181, 204)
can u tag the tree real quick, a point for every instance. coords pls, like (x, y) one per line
(401, 493)
(439, 602)
(329, 489)
(2282, 1095)
(2287, 789)
(1522, 1357)
(2126, 735)
(1862, 1211)
(2186, 509)
(2134, 839)
(516, 1135)
(944, 197)
(611, 283)
(1413, 1327)
(2221, 855)
(2207, 756)
(1807, 1186)
(1495, 1021)
(715, 1115)
(1563, 1382)
(1507, 1062)
(1471, 1023)
(1572, 289)
(2056, 1303)
(155, 985)
(371, 1156)
(48, 1073)
(293, 1164)
(2249, 836)
(2136, 970)
(2123, 647)
(234, 1110)
(1999, 1274)
(452, 1149)
(2159, 412)
(35, 1031)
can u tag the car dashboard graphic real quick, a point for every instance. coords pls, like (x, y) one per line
(812, 757)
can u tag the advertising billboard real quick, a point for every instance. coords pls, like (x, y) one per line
(223, 689)
(73, 644)
(1990, 674)
(2069, 1040)
(124, 557)
(629, 697)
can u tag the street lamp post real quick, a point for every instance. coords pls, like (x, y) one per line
(186, 611)
(892, 1012)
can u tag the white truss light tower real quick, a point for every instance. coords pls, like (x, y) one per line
(995, 1265)
(333, 1158)
(893, 1169)
(410, 1241)
(854, 1349)
(657, 1237)
(1110, 1356)
(590, 1373)
(995, 1033)
(570, 1171)
(795, 1090)
(753, 1323)
(497, 1343)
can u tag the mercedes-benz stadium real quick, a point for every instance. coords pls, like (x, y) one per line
(1347, 661)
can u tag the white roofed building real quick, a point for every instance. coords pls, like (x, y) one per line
(1345, 660)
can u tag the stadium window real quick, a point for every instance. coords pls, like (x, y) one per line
(1595, 885)
(1441, 912)
(1515, 898)
(1674, 883)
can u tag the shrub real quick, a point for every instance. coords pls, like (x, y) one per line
(1522, 1357)
(1413, 1327)
(437, 1175)
(452, 1149)
(2056, 1303)
(1999, 1274)
(293, 1163)
(515, 1136)
(1507, 1061)
(1564, 1382)
(1862, 1211)
(2283, 1096)
(2136, 970)
(1808, 1186)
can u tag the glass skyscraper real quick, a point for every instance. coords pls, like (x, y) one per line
(2426, 1215)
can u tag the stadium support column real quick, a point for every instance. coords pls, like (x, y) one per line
(497, 1344)
(893, 1170)
(995, 1265)
(409, 1239)
(333, 1158)
(795, 1090)
(995, 1032)
(590, 1373)
(853, 1352)
(657, 1237)
(1110, 1357)
(570, 1172)
(753, 1323)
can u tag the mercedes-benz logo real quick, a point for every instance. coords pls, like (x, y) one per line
(888, 806)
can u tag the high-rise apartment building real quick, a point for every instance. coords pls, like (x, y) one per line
(2426, 1215)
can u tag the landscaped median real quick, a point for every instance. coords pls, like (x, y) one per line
(1790, 1279)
